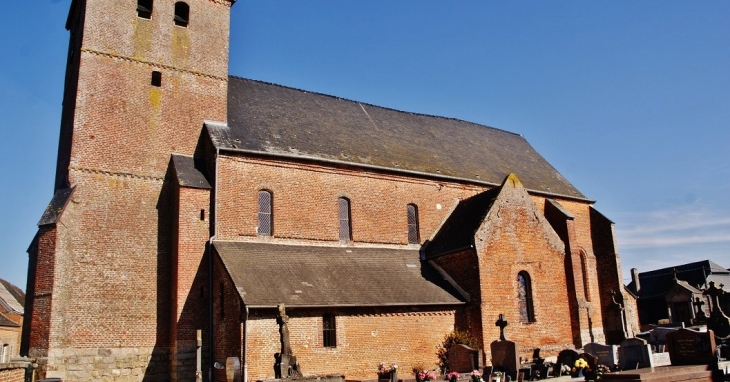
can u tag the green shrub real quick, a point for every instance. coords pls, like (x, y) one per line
(455, 337)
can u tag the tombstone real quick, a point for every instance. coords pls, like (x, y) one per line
(606, 354)
(286, 365)
(463, 359)
(233, 369)
(690, 347)
(718, 322)
(634, 353)
(504, 353)
(565, 357)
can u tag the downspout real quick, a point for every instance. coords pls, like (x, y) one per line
(244, 357)
(211, 348)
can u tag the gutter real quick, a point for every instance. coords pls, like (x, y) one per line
(393, 170)
(265, 306)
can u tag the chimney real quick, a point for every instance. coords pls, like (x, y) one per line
(635, 279)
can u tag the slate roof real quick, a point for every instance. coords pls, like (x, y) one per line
(276, 120)
(56, 206)
(457, 232)
(658, 282)
(12, 297)
(317, 276)
(190, 172)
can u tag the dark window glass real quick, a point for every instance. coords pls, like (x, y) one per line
(182, 14)
(156, 78)
(412, 212)
(265, 218)
(329, 331)
(344, 216)
(144, 9)
(527, 313)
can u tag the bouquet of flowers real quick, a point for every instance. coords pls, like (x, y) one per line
(452, 377)
(476, 376)
(385, 370)
(426, 375)
(564, 370)
(580, 363)
(602, 369)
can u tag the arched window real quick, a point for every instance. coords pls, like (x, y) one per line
(266, 224)
(412, 212)
(182, 14)
(144, 9)
(343, 205)
(527, 313)
(584, 270)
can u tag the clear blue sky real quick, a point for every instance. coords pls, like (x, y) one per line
(630, 100)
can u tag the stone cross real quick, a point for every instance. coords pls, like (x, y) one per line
(698, 304)
(501, 323)
(620, 313)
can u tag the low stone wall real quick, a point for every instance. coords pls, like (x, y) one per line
(13, 371)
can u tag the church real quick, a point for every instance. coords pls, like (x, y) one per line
(192, 208)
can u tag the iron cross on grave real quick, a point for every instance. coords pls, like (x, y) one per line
(501, 323)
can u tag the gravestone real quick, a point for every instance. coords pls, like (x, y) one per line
(286, 365)
(233, 369)
(565, 357)
(634, 353)
(690, 347)
(463, 359)
(718, 322)
(504, 353)
(606, 354)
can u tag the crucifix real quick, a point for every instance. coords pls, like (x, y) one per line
(501, 323)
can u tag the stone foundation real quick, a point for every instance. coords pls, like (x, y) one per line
(106, 364)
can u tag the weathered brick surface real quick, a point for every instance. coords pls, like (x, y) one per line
(516, 237)
(10, 372)
(305, 201)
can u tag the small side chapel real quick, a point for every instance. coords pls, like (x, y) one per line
(200, 211)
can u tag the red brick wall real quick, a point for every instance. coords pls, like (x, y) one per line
(516, 237)
(305, 201)
(10, 373)
(365, 337)
(189, 276)
(39, 312)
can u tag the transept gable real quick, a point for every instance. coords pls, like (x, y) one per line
(514, 223)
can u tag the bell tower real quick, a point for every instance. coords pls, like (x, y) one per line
(141, 77)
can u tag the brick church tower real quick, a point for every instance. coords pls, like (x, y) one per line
(142, 76)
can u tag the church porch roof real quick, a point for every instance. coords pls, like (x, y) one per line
(266, 275)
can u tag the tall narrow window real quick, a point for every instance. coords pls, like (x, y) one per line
(344, 216)
(182, 14)
(412, 212)
(584, 270)
(265, 218)
(144, 9)
(329, 331)
(527, 313)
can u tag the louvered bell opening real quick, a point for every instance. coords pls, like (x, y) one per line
(412, 224)
(265, 224)
(144, 9)
(182, 14)
(344, 217)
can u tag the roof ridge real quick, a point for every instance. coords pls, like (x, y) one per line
(377, 106)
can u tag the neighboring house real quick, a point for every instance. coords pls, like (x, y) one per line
(12, 300)
(669, 295)
(189, 200)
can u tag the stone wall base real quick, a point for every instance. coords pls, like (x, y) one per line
(106, 364)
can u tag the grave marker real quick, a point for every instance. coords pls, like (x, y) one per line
(634, 353)
(606, 354)
(690, 347)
